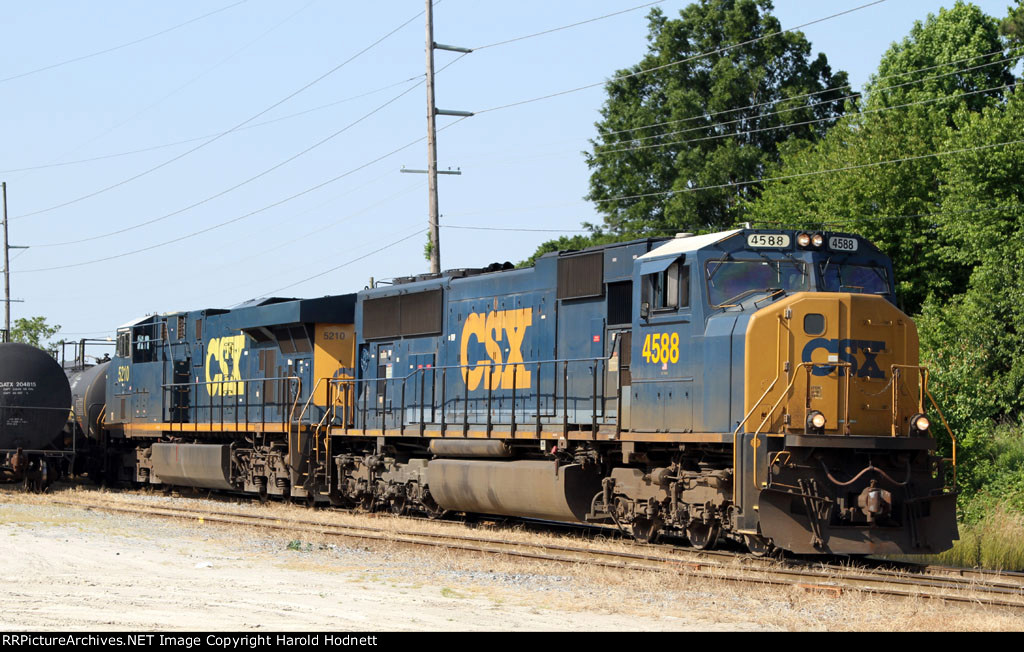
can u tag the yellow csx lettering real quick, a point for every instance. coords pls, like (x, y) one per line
(223, 362)
(487, 329)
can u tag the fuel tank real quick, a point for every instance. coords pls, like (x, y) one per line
(35, 397)
(533, 489)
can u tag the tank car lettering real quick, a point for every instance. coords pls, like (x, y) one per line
(847, 351)
(488, 330)
(223, 358)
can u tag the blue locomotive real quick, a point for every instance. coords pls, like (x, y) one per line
(752, 385)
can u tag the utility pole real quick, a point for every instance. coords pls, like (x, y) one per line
(7, 272)
(432, 113)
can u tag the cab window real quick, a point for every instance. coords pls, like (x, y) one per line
(731, 281)
(668, 290)
(859, 279)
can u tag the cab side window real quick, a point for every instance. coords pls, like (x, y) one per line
(668, 290)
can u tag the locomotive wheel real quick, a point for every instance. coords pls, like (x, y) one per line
(758, 545)
(398, 505)
(645, 530)
(263, 496)
(702, 536)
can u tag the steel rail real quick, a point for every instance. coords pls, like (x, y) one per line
(823, 578)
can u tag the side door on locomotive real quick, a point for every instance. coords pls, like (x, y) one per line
(662, 390)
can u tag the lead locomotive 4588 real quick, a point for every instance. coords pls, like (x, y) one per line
(752, 385)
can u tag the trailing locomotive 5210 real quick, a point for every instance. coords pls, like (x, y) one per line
(758, 386)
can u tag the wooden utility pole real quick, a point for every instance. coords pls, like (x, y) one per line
(435, 235)
(7, 273)
(432, 113)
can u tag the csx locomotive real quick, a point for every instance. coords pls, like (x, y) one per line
(751, 385)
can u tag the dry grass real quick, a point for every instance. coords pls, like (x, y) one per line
(575, 588)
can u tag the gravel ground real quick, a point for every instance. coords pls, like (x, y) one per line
(69, 568)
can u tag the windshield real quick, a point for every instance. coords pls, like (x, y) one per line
(731, 280)
(861, 279)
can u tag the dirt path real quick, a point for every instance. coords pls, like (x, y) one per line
(75, 569)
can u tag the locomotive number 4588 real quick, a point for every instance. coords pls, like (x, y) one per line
(661, 347)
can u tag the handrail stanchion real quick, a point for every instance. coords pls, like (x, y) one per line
(513, 421)
(423, 387)
(490, 396)
(539, 368)
(593, 414)
(444, 396)
(465, 405)
(565, 399)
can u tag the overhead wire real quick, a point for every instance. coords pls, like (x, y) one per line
(677, 62)
(123, 45)
(194, 139)
(765, 180)
(563, 27)
(237, 185)
(1019, 50)
(225, 133)
(236, 219)
(790, 125)
(178, 89)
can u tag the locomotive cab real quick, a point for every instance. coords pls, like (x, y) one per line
(787, 347)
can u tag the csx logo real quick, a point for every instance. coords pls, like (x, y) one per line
(223, 361)
(489, 330)
(847, 351)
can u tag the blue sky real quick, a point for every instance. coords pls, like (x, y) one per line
(67, 131)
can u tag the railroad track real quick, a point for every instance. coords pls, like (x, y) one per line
(997, 589)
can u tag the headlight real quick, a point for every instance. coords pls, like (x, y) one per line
(919, 423)
(817, 240)
(815, 423)
(803, 239)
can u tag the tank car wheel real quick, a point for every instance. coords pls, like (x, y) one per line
(758, 545)
(702, 536)
(645, 530)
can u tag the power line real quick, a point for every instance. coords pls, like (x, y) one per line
(194, 139)
(418, 231)
(182, 86)
(803, 123)
(235, 128)
(498, 228)
(806, 106)
(680, 61)
(238, 185)
(558, 29)
(766, 180)
(835, 88)
(123, 45)
(233, 220)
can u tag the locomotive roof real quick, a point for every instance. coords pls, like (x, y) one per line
(679, 245)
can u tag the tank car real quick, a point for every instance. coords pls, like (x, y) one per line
(35, 399)
(759, 386)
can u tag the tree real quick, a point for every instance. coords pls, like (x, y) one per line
(694, 121)
(33, 330)
(976, 341)
(1013, 25)
(876, 172)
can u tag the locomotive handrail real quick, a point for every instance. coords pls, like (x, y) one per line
(385, 409)
(923, 387)
(771, 412)
(286, 418)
